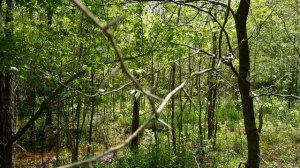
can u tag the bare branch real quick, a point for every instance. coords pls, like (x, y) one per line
(197, 49)
(110, 38)
(190, 98)
(114, 22)
(291, 96)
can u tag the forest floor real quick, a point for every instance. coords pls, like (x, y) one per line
(280, 147)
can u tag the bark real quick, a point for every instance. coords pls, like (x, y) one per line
(244, 85)
(199, 94)
(6, 99)
(135, 121)
(6, 119)
(154, 82)
(180, 118)
(212, 94)
(92, 116)
(76, 135)
(1, 21)
(173, 110)
(58, 134)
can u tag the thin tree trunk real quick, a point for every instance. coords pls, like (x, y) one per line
(32, 96)
(244, 84)
(59, 110)
(212, 94)
(173, 109)
(198, 81)
(154, 81)
(92, 116)
(135, 121)
(75, 152)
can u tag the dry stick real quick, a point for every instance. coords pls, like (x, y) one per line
(189, 98)
(142, 127)
(198, 165)
(278, 95)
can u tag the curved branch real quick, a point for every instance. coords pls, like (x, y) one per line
(109, 35)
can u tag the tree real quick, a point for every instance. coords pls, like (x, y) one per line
(6, 92)
(244, 84)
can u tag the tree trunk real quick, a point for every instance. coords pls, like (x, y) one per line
(92, 116)
(181, 106)
(77, 132)
(1, 21)
(6, 99)
(212, 94)
(244, 84)
(135, 120)
(154, 81)
(6, 119)
(173, 109)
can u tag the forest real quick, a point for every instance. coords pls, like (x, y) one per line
(149, 83)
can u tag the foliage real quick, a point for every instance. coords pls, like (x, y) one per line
(52, 40)
(155, 158)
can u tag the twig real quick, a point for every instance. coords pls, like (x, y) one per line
(278, 95)
(193, 48)
(198, 165)
(190, 98)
